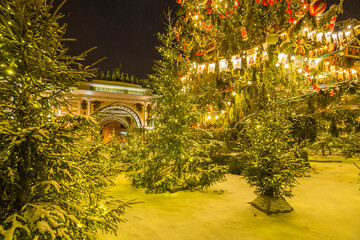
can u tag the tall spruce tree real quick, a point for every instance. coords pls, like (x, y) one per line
(53, 172)
(178, 152)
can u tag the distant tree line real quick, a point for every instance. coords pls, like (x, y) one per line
(118, 75)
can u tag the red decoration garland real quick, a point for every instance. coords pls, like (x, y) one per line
(271, 2)
(309, 72)
(291, 17)
(224, 91)
(268, 1)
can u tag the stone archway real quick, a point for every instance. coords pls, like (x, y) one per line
(121, 113)
(117, 119)
(113, 129)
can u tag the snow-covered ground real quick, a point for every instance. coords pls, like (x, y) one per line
(327, 206)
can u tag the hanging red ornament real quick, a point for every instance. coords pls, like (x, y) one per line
(244, 33)
(179, 1)
(317, 7)
(177, 35)
(209, 7)
(332, 23)
(236, 4)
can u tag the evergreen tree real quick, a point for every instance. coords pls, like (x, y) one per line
(53, 170)
(272, 159)
(178, 155)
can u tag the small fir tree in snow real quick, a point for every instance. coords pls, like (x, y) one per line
(272, 159)
(53, 171)
(178, 153)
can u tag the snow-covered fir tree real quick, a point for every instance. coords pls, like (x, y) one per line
(54, 172)
(178, 155)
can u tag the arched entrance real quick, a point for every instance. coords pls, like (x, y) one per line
(116, 119)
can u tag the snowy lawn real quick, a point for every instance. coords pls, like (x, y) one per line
(327, 206)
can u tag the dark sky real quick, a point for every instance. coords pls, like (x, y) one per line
(124, 31)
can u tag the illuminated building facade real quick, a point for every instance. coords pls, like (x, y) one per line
(117, 106)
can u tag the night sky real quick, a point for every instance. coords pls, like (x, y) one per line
(124, 31)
